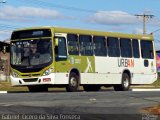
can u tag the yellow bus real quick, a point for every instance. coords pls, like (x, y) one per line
(45, 57)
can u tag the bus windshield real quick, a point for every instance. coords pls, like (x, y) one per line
(31, 52)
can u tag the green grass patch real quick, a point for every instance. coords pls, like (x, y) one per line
(6, 86)
(157, 82)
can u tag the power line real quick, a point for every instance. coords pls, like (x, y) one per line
(8, 27)
(59, 6)
(155, 31)
(47, 4)
(5, 31)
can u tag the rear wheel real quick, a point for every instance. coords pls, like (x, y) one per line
(91, 87)
(73, 83)
(125, 85)
(38, 88)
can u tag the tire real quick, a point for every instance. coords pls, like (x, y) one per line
(38, 88)
(73, 83)
(91, 87)
(125, 85)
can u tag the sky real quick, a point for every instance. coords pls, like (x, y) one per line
(101, 15)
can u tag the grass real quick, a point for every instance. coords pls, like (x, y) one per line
(6, 86)
(157, 83)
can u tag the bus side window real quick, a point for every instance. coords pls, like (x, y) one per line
(135, 48)
(99, 46)
(73, 48)
(113, 47)
(126, 50)
(147, 49)
(86, 45)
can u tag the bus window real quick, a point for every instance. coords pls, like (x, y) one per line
(86, 45)
(147, 49)
(60, 49)
(113, 47)
(126, 50)
(135, 47)
(99, 46)
(73, 48)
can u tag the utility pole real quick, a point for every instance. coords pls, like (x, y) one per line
(145, 17)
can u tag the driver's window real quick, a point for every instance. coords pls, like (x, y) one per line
(60, 49)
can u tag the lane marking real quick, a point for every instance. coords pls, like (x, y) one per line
(140, 89)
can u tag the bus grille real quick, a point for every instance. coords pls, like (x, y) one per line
(31, 75)
(30, 80)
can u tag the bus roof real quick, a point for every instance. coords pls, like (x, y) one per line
(92, 32)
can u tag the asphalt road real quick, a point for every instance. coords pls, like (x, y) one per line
(78, 105)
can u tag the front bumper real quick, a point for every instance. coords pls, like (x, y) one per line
(41, 80)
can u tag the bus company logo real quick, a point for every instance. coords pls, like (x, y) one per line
(125, 62)
(89, 66)
(30, 75)
(72, 60)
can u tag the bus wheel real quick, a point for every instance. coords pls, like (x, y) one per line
(38, 88)
(125, 83)
(91, 87)
(73, 83)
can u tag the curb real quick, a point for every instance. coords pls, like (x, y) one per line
(3, 91)
(147, 89)
(145, 86)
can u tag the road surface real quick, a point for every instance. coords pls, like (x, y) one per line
(78, 105)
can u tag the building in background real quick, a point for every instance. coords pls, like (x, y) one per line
(4, 61)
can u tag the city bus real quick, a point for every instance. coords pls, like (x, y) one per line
(50, 56)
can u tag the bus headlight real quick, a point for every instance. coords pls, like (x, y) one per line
(48, 71)
(14, 74)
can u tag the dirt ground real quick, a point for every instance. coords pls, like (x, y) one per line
(154, 110)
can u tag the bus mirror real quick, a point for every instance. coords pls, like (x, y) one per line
(4, 50)
(56, 41)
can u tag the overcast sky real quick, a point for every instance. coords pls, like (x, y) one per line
(103, 15)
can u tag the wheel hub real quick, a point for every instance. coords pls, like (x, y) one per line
(73, 81)
(126, 83)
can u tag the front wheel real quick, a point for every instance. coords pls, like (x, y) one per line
(125, 85)
(73, 83)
